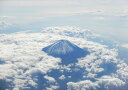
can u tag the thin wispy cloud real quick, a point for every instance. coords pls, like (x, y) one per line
(107, 16)
(113, 7)
(37, 3)
(125, 45)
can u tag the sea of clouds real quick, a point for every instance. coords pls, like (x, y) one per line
(23, 63)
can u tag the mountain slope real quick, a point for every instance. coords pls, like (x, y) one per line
(65, 50)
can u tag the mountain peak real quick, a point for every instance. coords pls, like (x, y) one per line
(61, 47)
(64, 49)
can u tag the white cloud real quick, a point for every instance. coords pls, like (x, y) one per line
(53, 87)
(62, 77)
(50, 79)
(111, 82)
(70, 31)
(4, 25)
(124, 45)
(4, 16)
(82, 85)
(22, 56)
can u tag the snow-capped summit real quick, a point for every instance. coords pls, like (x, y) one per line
(60, 47)
(65, 49)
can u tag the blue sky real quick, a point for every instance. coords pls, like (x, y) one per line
(108, 17)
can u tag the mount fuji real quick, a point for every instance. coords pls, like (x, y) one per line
(65, 50)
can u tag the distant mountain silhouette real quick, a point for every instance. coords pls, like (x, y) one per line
(65, 50)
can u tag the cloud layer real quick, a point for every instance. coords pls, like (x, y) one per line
(23, 64)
